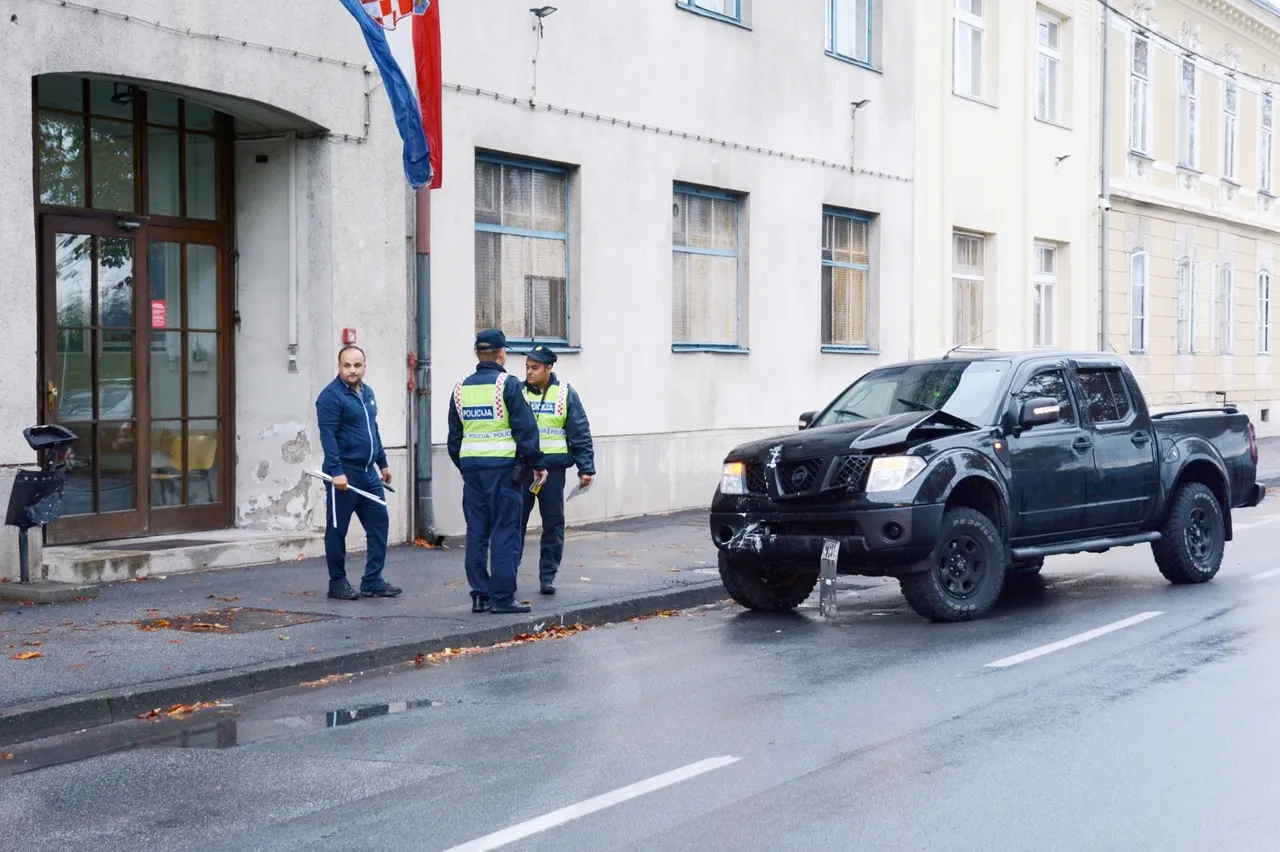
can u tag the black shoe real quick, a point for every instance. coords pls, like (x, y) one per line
(548, 587)
(511, 608)
(344, 593)
(385, 591)
(479, 604)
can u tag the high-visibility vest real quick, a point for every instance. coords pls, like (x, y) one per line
(486, 428)
(551, 410)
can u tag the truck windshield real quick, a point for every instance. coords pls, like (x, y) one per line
(964, 389)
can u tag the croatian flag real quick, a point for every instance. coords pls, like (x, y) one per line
(374, 16)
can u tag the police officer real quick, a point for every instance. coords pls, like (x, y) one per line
(493, 441)
(347, 414)
(566, 439)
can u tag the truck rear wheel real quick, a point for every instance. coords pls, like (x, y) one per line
(766, 588)
(963, 578)
(1193, 537)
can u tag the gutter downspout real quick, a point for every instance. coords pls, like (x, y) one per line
(292, 331)
(424, 516)
(1104, 193)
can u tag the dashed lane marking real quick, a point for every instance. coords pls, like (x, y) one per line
(1072, 640)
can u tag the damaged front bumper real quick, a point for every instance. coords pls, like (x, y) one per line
(875, 540)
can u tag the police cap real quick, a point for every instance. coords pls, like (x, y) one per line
(541, 354)
(490, 340)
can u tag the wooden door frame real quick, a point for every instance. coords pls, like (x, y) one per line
(100, 525)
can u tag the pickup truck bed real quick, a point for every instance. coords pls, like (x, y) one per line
(950, 474)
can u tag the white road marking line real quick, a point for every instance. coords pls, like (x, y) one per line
(1269, 520)
(607, 800)
(1072, 640)
(1266, 575)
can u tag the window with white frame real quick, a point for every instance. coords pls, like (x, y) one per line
(849, 28)
(1187, 115)
(1139, 93)
(970, 48)
(1266, 146)
(1230, 96)
(1264, 312)
(846, 279)
(1048, 67)
(521, 245)
(1226, 309)
(1184, 295)
(704, 267)
(1139, 282)
(1045, 282)
(967, 279)
(730, 9)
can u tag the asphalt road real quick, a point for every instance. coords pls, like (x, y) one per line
(1099, 708)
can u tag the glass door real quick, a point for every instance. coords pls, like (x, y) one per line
(188, 392)
(92, 290)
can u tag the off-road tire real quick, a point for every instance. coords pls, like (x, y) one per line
(754, 586)
(963, 577)
(1193, 536)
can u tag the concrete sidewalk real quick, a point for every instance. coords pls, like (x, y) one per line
(215, 634)
(1269, 461)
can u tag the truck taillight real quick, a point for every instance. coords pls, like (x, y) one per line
(1253, 444)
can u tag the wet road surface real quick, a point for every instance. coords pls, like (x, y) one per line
(1098, 708)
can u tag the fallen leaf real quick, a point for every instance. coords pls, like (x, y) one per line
(29, 655)
(300, 558)
(175, 641)
(284, 638)
(419, 660)
(77, 665)
(325, 681)
(8, 755)
(311, 648)
(206, 627)
(32, 644)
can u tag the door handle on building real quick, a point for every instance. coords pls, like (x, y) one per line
(51, 396)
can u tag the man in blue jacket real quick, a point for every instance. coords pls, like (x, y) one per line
(347, 413)
(493, 441)
(566, 440)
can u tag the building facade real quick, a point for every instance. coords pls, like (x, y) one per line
(1193, 232)
(1005, 154)
(191, 214)
(712, 236)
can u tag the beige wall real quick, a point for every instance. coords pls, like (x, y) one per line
(1172, 212)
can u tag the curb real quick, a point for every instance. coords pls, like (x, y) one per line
(1270, 481)
(25, 722)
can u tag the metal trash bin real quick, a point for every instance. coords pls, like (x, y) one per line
(36, 498)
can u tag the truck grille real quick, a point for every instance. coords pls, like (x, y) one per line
(756, 483)
(851, 473)
(799, 477)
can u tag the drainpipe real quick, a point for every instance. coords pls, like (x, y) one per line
(425, 519)
(1104, 193)
(292, 142)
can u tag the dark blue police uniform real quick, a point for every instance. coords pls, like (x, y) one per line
(574, 449)
(491, 482)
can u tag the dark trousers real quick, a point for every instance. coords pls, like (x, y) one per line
(491, 507)
(339, 507)
(550, 502)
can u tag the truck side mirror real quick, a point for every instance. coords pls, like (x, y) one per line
(1039, 412)
(807, 418)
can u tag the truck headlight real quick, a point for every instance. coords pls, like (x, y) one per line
(733, 478)
(889, 473)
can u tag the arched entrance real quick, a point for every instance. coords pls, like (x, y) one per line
(134, 221)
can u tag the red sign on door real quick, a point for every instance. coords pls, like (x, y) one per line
(158, 313)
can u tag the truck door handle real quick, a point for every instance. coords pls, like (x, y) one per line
(1082, 444)
(1140, 438)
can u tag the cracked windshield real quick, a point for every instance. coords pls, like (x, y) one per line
(963, 389)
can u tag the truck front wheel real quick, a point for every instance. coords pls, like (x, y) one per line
(1193, 536)
(766, 588)
(964, 576)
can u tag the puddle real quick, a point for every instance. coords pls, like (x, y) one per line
(236, 619)
(212, 730)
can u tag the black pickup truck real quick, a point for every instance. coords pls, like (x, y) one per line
(950, 474)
